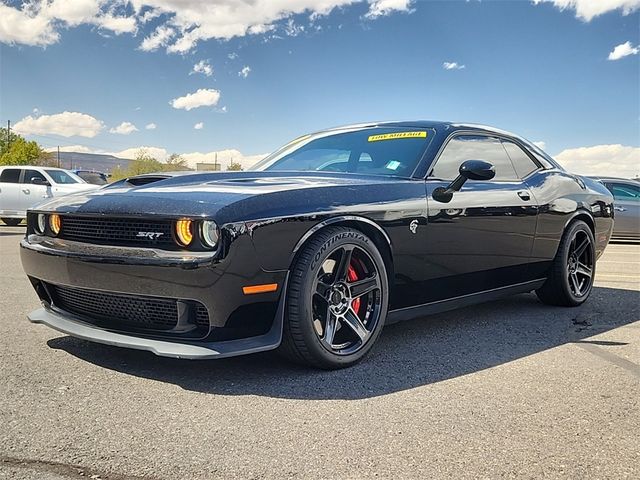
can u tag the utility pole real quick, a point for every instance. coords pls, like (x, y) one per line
(58, 156)
(8, 134)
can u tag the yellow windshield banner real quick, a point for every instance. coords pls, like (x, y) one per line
(396, 136)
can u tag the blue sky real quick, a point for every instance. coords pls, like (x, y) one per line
(530, 67)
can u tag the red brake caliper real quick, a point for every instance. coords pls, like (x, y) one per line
(352, 276)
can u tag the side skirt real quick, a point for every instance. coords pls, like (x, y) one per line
(432, 308)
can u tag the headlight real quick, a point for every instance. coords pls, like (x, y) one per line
(55, 222)
(209, 233)
(41, 224)
(184, 231)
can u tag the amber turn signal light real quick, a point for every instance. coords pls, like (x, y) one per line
(55, 223)
(184, 231)
(269, 287)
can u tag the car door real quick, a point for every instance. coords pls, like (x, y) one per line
(31, 192)
(9, 189)
(627, 209)
(482, 238)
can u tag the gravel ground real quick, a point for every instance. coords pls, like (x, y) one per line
(510, 388)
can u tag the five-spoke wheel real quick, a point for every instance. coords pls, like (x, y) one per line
(337, 299)
(346, 304)
(572, 272)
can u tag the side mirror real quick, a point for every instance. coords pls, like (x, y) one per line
(469, 170)
(39, 181)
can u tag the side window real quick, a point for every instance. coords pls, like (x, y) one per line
(624, 192)
(473, 147)
(10, 175)
(521, 161)
(30, 174)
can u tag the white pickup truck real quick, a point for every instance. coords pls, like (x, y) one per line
(23, 186)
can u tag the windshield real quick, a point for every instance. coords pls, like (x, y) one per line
(64, 177)
(390, 151)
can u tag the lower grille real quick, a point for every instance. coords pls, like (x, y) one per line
(129, 312)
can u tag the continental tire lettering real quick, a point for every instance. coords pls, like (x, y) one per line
(329, 243)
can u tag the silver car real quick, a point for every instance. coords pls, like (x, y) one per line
(626, 194)
(22, 187)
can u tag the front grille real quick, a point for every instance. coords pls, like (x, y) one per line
(129, 312)
(118, 231)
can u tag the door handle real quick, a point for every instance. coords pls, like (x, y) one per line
(619, 209)
(26, 190)
(524, 195)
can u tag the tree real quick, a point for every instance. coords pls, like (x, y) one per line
(22, 152)
(5, 141)
(175, 163)
(234, 166)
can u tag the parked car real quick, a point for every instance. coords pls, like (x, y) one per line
(22, 187)
(325, 241)
(93, 177)
(626, 194)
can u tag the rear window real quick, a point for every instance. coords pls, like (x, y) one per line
(10, 175)
(521, 161)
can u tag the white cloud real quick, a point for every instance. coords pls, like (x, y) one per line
(244, 73)
(199, 126)
(159, 38)
(617, 160)
(181, 24)
(232, 56)
(38, 21)
(452, 66)
(203, 67)
(623, 50)
(203, 97)
(587, 10)
(66, 124)
(150, 126)
(379, 8)
(24, 27)
(158, 153)
(117, 24)
(540, 144)
(125, 128)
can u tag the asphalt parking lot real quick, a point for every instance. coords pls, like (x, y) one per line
(511, 388)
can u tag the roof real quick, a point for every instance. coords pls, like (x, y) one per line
(424, 124)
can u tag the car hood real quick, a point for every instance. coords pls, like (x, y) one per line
(207, 194)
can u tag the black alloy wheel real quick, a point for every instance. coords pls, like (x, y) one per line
(337, 299)
(580, 264)
(346, 300)
(573, 269)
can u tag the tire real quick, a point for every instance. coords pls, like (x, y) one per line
(337, 300)
(570, 279)
(12, 222)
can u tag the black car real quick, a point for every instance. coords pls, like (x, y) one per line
(321, 244)
(93, 177)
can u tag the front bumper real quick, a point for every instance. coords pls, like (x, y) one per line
(66, 323)
(215, 283)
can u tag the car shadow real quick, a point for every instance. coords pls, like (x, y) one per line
(408, 354)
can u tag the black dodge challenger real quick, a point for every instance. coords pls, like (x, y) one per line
(319, 245)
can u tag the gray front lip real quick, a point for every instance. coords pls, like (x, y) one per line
(196, 350)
